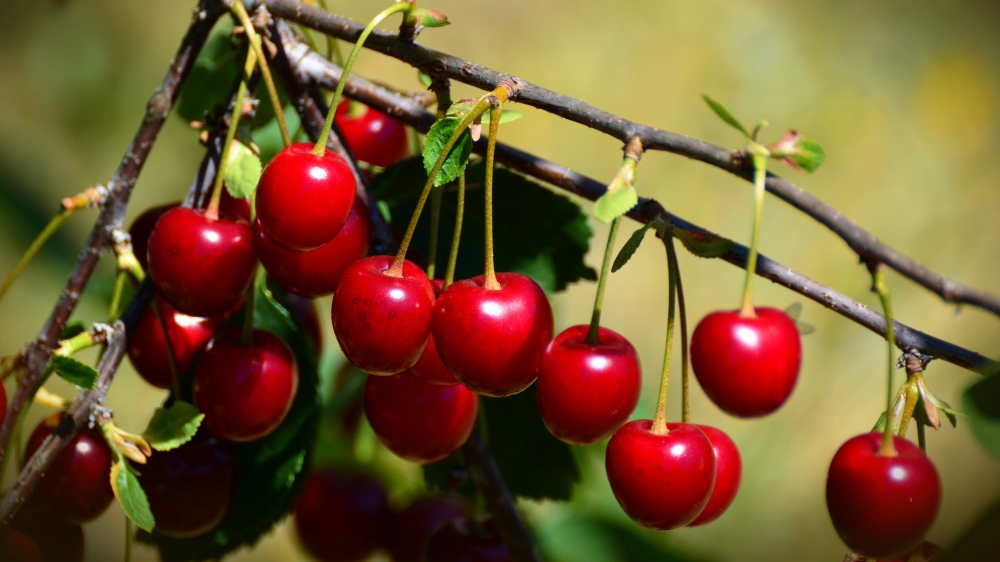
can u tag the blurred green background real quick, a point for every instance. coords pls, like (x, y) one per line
(904, 97)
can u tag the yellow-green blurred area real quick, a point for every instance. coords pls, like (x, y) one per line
(903, 96)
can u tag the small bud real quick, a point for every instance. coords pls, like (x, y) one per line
(798, 151)
(429, 18)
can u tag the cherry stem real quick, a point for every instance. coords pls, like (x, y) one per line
(246, 339)
(456, 237)
(265, 70)
(921, 437)
(759, 177)
(593, 334)
(660, 418)
(36, 245)
(437, 194)
(881, 286)
(682, 310)
(212, 212)
(324, 135)
(116, 296)
(489, 274)
(175, 379)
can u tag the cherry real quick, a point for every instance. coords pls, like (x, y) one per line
(382, 322)
(411, 528)
(303, 199)
(3, 401)
(429, 368)
(201, 266)
(338, 516)
(245, 392)
(882, 506)
(188, 335)
(747, 366)
(77, 487)
(189, 488)
(661, 481)
(58, 539)
(18, 547)
(373, 136)
(587, 391)
(234, 209)
(728, 473)
(142, 227)
(419, 421)
(315, 273)
(466, 540)
(493, 340)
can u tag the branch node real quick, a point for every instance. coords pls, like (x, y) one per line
(914, 361)
(91, 197)
(513, 85)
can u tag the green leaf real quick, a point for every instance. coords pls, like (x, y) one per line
(73, 328)
(533, 463)
(425, 79)
(506, 116)
(429, 18)
(172, 427)
(703, 244)
(620, 196)
(981, 403)
(537, 232)
(242, 171)
(630, 247)
(434, 144)
(75, 372)
(130, 495)
(725, 115)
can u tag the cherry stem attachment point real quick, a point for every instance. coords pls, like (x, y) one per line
(265, 70)
(212, 212)
(593, 334)
(759, 156)
(456, 237)
(36, 245)
(320, 148)
(881, 286)
(660, 417)
(489, 274)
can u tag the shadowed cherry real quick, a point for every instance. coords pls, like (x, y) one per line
(429, 368)
(142, 227)
(338, 516)
(147, 349)
(728, 474)
(373, 136)
(411, 528)
(466, 540)
(57, 539)
(18, 547)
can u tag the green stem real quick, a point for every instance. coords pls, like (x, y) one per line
(324, 135)
(36, 245)
(437, 194)
(116, 295)
(246, 340)
(234, 120)
(489, 274)
(175, 378)
(456, 237)
(595, 319)
(265, 70)
(333, 53)
(881, 286)
(660, 417)
(759, 178)
(682, 310)
(20, 420)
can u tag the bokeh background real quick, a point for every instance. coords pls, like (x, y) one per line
(904, 97)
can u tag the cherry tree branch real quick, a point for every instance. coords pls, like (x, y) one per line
(442, 65)
(312, 68)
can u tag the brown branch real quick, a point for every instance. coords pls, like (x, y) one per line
(442, 65)
(316, 70)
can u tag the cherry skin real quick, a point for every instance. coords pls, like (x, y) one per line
(882, 506)
(77, 487)
(188, 335)
(373, 136)
(245, 392)
(463, 540)
(493, 340)
(430, 368)
(747, 366)
(419, 421)
(382, 322)
(201, 266)
(303, 200)
(661, 481)
(191, 487)
(234, 209)
(315, 273)
(18, 547)
(585, 392)
(142, 227)
(410, 529)
(728, 474)
(338, 516)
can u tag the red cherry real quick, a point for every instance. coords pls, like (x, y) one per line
(142, 227)
(18, 547)
(315, 273)
(661, 481)
(493, 340)
(728, 473)
(77, 487)
(747, 366)
(419, 421)
(338, 516)
(373, 136)
(466, 540)
(58, 539)
(302, 199)
(234, 209)
(882, 506)
(411, 528)
(189, 488)
(585, 392)
(429, 368)
(201, 266)
(188, 335)
(245, 392)
(382, 322)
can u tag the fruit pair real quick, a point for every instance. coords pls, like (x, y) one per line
(339, 515)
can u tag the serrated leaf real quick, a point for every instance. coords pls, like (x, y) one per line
(434, 144)
(172, 427)
(506, 116)
(131, 496)
(630, 247)
(703, 244)
(725, 115)
(73, 328)
(981, 402)
(242, 171)
(76, 373)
